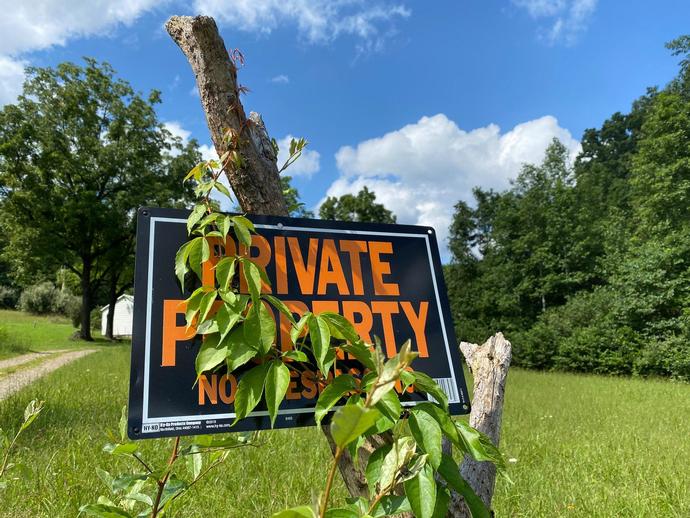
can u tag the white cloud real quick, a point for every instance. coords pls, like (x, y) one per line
(11, 79)
(31, 26)
(421, 170)
(564, 20)
(281, 78)
(177, 130)
(317, 21)
(306, 165)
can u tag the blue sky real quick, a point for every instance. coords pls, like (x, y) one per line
(419, 100)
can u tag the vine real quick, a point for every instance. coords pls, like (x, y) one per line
(410, 473)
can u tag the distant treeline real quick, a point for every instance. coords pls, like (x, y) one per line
(586, 266)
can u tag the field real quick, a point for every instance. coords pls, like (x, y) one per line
(579, 446)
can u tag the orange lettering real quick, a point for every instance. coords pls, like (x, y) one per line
(418, 323)
(281, 264)
(354, 248)
(364, 323)
(305, 274)
(328, 275)
(297, 308)
(225, 396)
(172, 333)
(386, 309)
(379, 268)
(260, 244)
(208, 389)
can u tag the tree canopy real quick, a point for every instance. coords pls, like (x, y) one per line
(79, 152)
(361, 207)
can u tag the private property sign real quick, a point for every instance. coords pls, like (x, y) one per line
(385, 279)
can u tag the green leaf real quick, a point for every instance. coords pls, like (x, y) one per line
(389, 405)
(427, 432)
(206, 305)
(249, 390)
(320, 336)
(260, 328)
(194, 461)
(103, 511)
(399, 455)
(296, 512)
(123, 424)
(225, 225)
(210, 355)
(296, 331)
(450, 472)
(341, 512)
(421, 493)
(427, 384)
(197, 213)
(121, 449)
(480, 446)
(226, 321)
(196, 254)
(197, 171)
(350, 421)
(333, 393)
(222, 189)
(363, 354)
(242, 229)
(221, 441)
(442, 501)
(373, 471)
(225, 271)
(298, 356)
(445, 422)
(253, 277)
(392, 505)
(277, 381)
(280, 306)
(239, 350)
(340, 327)
(193, 303)
(181, 262)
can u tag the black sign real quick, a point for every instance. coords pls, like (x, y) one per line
(386, 279)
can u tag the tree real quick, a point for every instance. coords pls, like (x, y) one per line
(362, 207)
(79, 152)
(292, 199)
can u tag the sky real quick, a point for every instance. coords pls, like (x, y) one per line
(419, 100)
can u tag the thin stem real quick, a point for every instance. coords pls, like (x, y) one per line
(161, 483)
(329, 481)
(136, 456)
(7, 454)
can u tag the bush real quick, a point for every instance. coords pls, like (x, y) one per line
(8, 298)
(39, 299)
(44, 298)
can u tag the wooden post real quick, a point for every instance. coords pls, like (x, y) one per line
(489, 364)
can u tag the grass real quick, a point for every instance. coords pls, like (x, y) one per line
(22, 332)
(585, 446)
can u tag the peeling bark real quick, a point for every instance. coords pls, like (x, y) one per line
(256, 184)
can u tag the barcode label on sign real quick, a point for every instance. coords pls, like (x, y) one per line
(448, 386)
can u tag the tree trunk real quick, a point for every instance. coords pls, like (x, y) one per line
(489, 364)
(256, 184)
(85, 317)
(112, 302)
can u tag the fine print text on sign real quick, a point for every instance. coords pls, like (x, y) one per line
(386, 279)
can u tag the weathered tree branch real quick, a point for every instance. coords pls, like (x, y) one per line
(256, 184)
(489, 364)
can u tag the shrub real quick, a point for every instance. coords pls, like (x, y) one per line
(96, 319)
(39, 299)
(44, 298)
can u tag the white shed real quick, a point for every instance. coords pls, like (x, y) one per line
(124, 316)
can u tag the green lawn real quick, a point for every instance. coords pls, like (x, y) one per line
(22, 332)
(584, 446)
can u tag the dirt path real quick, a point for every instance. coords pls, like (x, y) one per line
(26, 358)
(18, 380)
